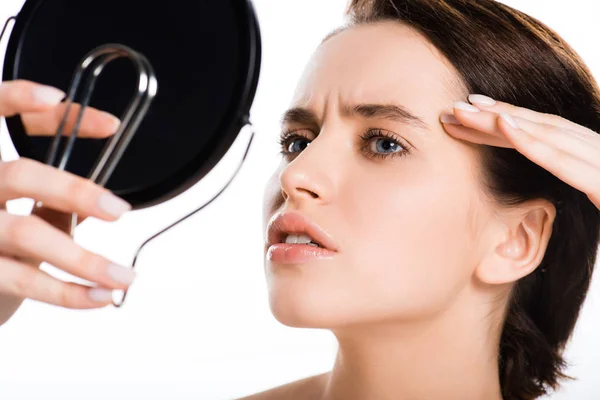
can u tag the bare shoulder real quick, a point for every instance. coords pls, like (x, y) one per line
(304, 389)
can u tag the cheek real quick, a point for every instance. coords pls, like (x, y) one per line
(411, 247)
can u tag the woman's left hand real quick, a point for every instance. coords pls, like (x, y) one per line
(569, 151)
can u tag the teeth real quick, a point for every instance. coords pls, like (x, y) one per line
(300, 239)
(303, 239)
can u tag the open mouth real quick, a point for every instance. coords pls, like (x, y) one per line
(301, 239)
(294, 228)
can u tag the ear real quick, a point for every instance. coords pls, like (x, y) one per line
(519, 245)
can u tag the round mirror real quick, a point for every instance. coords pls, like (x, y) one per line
(205, 53)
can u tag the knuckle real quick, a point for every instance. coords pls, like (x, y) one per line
(559, 158)
(54, 291)
(554, 119)
(512, 109)
(91, 263)
(59, 114)
(21, 283)
(79, 191)
(13, 172)
(19, 229)
(19, 93)
(553, 129)
(66, 296)
(558, 129)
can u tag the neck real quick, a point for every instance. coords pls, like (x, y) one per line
(451, 356)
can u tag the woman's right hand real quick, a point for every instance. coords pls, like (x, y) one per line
(27, 241)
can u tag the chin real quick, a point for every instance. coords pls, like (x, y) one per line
(296, 306)
(302, 303)
(324, 296)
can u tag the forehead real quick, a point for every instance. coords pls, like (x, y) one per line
(380, 62)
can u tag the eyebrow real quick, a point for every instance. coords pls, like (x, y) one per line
(393, 112)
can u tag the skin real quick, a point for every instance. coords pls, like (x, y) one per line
(417, 292)
(27, 241)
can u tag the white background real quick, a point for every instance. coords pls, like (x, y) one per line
(197, 323)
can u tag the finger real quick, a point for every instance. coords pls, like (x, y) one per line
(573, 143)
(566, 159)
(459, 131)
(488, 104)
(471, 124)
(94, 124)
(25, 281)
(485, 122)
(32, 238)
(20, 96)
(568, 142)
(59, 190)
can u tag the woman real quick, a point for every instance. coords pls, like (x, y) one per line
(452, 242)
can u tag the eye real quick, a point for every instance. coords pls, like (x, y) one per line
(379, 144)
(384, 145)
(292, 142)
(297, 145)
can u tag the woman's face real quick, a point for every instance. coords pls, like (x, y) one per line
(405, 210)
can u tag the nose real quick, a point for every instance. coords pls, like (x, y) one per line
(309, 177)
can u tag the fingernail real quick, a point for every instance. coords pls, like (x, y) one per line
(113, 121)
(481, 100)
(461, 105)
(120, 274)
(100, 295)
(48, 95)
(510, 120)
(113, 205)
(449, 119)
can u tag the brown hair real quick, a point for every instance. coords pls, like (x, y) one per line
(510, 56)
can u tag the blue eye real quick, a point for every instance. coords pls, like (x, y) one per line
(379, 144)
(382, 144)
(385, 145)
(297, 145)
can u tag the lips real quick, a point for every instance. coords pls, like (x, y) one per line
(284, 224)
